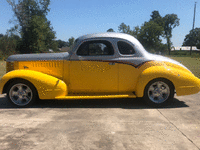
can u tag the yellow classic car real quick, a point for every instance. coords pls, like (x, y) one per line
(99, 66)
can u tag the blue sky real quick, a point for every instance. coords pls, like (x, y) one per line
(79, 17)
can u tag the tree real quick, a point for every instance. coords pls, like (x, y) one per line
(123, 28)
(35, 30)
(1, 35)
(8, 45)
(193, 38)
(71, 41)
(149, 35)
(136, 32)
(170, 22)
(61, 43)
(156, 17)
(110, 30)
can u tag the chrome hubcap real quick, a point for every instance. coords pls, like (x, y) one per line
(158, 92)
(20, 94)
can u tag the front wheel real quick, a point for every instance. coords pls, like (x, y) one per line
(21, 93)
(159, 92)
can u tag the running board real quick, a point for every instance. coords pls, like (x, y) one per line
(95, 96)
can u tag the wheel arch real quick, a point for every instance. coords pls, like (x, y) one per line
(5, 88)
(47, 86)
(162, 78)
(141, 87)
(153, 73)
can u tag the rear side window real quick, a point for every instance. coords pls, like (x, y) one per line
(125, 48)
(95, 48)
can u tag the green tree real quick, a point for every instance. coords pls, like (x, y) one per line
(149, 35)
(8, 45)
(110, 30)
(1, 35)
(136, 32)
(193, 38)
(123, 28)
(61, 43)
(71, 41)
(170, 22)
(156, 17)
(35, 30)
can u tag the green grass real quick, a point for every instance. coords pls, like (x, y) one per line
(185, 53)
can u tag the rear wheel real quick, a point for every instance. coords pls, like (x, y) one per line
(21, 93)
(159, 92)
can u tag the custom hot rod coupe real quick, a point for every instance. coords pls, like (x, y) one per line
(99, 66)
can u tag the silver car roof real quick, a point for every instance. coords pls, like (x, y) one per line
(108, 35)
(111, 35)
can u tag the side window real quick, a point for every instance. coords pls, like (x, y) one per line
(83, 50)
(95, 48)
(125, 48)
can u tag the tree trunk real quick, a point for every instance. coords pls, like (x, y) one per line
(168, 44)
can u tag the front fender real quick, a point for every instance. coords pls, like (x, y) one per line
(48, 87)
(184, 82)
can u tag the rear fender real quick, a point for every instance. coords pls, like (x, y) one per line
(149, 74)
(184, 82)
(48, 87)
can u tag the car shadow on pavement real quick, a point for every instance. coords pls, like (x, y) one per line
(137, 103)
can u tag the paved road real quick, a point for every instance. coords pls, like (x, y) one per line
(122, 124)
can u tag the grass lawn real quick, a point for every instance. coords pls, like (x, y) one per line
(191, 63)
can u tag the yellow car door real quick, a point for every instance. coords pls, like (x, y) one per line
(93, 68)
(128, 70)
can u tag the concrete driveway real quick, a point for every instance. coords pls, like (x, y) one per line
(120, 124)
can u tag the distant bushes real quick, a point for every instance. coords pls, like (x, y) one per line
(8, 46)
(12, 44)
(185, 53)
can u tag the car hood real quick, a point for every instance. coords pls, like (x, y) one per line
(36, 57)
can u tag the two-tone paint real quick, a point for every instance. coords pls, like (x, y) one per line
(68, 75)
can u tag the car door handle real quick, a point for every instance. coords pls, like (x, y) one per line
(111, 63)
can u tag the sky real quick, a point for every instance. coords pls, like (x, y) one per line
(79, 17)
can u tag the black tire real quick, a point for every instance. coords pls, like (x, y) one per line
(159, 92)
(21, 93)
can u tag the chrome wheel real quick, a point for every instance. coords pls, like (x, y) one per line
(158, 92)
(20, 94)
